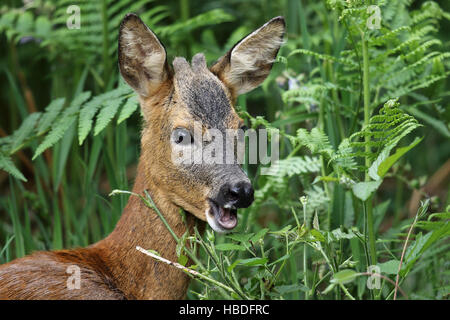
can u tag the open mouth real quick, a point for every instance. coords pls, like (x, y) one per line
(224, 217)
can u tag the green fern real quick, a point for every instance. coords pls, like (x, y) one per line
(51, 112)
(106, 114)
(128, 109)
(7, 165)
(89, 109)
(316, 141)
(63, 123)
(24, 131)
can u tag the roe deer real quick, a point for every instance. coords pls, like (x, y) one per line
(171, 100)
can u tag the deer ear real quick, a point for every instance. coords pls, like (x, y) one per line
(249, 62)
(142, 57)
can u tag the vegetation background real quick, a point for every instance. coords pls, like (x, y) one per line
(363, 114)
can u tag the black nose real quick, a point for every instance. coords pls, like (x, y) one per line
(238, 194)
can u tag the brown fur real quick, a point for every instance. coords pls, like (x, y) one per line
(112, 268)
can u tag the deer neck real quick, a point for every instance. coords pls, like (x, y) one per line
(136, 274)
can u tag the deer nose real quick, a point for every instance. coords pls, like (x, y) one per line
(240, 194)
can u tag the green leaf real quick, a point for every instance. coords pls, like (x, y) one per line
(363, 190)
(62, 124)
(7, 165)
(89, 110)
(259, 235)
(128, 108)
(418, 247)
(387, 164)
(240, 237)
(51, 112)
(290, 288)
(182, 259)
(338, 234)
(180, 245)
(229, 246)
(24, 131)
(384, 162)
(251, 262)
(286, 256)
(106, 114)
(317, 235)
(344, 276)
(154, 252)
(283, 231)
(316, 141)
(389, 267)
(211, 17)
(440, 126)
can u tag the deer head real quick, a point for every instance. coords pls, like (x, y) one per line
(187, 107)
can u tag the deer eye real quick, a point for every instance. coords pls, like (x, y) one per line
(182, 136)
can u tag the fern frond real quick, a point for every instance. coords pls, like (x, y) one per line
(205, 19)
(106, 114)
(7, 165)
(317, 200)
(293, 166)
(321, 56)
(51, 112)
(128, 108)
(89, 110)
(385, 131)
(316, 141)
(24, 131)
(60, 127)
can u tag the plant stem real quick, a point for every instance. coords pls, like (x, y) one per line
(368, 202)
(305, 254)
(186, 269)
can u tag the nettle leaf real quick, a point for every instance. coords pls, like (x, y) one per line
(259, 235)
(363, 190)
(240, 237)
(7, 165)
(60, 127)
(229, 247)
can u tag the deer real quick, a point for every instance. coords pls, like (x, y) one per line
(171, 99)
